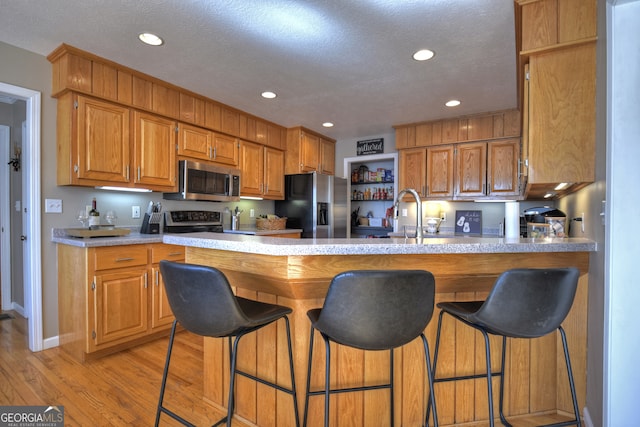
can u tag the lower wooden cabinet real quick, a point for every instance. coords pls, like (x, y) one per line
(111, 298)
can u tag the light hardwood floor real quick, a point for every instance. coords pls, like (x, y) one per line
(117, 390)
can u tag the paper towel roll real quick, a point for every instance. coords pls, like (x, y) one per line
(512, 219)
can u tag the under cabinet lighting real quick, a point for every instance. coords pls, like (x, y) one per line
(251, 198)
(131, 190)
(150, 39)
(549, 195)
(562, 186)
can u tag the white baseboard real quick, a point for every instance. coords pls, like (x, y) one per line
(18, 309)
(51, 342)
(587, 418)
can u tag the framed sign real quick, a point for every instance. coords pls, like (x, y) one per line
(370, 146)
(468, 223)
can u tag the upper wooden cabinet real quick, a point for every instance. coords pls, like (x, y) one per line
(464, 171)
(89, 74)
(262, 171)
(155, 161)
(203, 144)
(93, 142)
(99, 145)
(308, 151)
(479, 127)
(558, 57)
(546, 23)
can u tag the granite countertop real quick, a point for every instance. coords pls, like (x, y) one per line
(58, 235)
(357, 246)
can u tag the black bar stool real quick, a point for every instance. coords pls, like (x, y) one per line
(523, 303)
(203, 303)
(373, 310)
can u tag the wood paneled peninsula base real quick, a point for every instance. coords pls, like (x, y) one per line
(297, 273)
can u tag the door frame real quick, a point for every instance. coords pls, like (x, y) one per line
(31, 224)
(5, 221)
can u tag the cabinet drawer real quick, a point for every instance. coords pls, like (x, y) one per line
(120, 256)
(168, 252)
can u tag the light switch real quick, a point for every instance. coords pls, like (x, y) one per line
(52, 205)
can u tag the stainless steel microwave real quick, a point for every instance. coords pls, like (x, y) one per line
(206, 182)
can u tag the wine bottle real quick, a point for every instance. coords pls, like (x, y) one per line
(94, 215)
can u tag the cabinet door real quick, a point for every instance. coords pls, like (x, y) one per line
(155, 153)
(440, 172)
(309, 152)
(120, 305)
(562, 116)
(194, 142)
(327, 157)
(161, 314)
(225, 149)
(413, 169)
(252, 167)
(502, 167)
(103, 141)
(471, 170)
(273, 174)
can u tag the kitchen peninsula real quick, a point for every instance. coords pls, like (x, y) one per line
(297, 272)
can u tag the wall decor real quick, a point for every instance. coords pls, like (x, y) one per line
(370, 146)
(468, 223)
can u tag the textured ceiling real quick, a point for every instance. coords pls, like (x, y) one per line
(344, 61)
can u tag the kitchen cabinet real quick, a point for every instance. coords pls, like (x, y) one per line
(99, 145)
(440, 172)
(465, 171)
(93, 141)
(308, 151)
(111, 297)
(202, 144)
(262, 171)
(155, 159)
(557, 70)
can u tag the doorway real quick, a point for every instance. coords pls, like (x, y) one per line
(30, 211)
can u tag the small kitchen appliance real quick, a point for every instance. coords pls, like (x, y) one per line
(546, 221)
(193, 221)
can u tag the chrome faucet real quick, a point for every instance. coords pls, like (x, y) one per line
(416, 196)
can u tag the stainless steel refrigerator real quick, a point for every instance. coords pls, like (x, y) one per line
(315, 203)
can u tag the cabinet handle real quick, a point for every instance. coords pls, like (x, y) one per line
(145, 280)
(127, 172)
(157, 277)
(138, 173)
(484, 188)
(210, 152)
(123, 259)
(215, 152)
(175, 254)
(76, 168)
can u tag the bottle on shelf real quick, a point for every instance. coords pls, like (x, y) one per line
(94, 215)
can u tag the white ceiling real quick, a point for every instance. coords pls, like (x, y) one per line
(344, 61)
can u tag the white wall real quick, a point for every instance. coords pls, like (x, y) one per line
(622, 290)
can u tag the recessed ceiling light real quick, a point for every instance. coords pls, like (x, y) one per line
(268, 95)
(327, 124)
(150, 39)
(452, 103)
(423, 55)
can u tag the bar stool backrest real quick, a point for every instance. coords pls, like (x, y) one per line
(201, 299)
(528, 303)
(377, 309)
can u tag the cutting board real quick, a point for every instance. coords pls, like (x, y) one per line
(98, 232)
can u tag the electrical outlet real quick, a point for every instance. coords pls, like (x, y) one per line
(404, 212)
(52, 206)
(135, 211)
(443, 216)
(252, 213)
